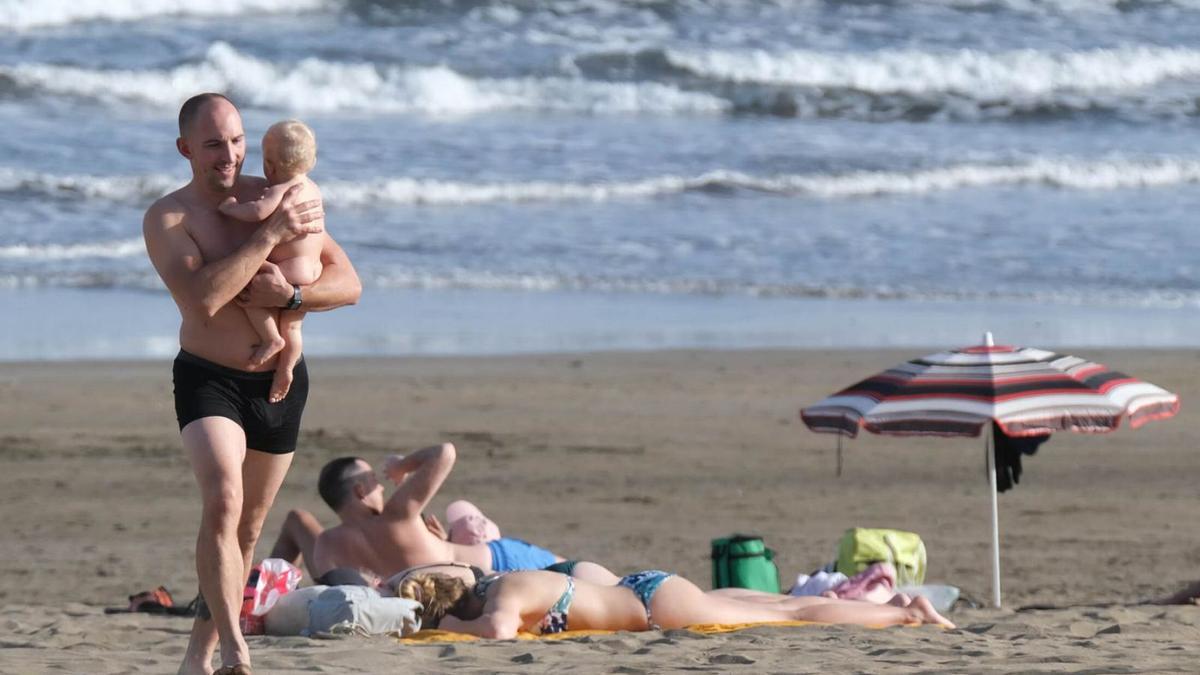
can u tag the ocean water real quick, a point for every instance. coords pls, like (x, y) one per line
(525, 175)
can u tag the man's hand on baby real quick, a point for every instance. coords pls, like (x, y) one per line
(434, 526)
(268, 288)
(293, 219)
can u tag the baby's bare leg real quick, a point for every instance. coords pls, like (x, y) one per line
(264, 323)
(289, 325)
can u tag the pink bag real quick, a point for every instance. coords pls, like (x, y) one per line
(270, 579)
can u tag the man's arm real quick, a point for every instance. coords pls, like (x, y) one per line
(259, 209)
(337, 286)
(419, 475)
(207, 286)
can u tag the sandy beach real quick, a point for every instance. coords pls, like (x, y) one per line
(632, 460)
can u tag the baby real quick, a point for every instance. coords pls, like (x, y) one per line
(289, 153)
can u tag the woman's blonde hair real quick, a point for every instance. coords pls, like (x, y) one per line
(439, 595)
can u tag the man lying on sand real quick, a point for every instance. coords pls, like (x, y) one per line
(386, 536)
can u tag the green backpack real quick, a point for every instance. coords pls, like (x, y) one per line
(744, 561)
(861, 546)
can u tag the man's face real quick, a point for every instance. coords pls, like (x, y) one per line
(369, 487)
(215, 145)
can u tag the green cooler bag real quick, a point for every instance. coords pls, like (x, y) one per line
(744, 561)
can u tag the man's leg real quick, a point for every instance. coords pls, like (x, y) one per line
(216, 447)
(262, 475)
(296, 539)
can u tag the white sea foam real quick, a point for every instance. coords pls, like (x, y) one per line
(1001, 76)
(354, 86)
(1104, 174)
(120, 248)
(107, 188)
(26, 14)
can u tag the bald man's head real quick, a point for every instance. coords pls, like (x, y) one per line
(191, 109)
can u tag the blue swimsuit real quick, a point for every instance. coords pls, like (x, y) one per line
(645, 584)
(555, 620)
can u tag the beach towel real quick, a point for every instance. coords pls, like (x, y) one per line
(433, 635)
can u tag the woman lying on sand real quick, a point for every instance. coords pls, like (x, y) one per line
(500, 606)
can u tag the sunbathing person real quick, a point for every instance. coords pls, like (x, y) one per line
(500, 606)
(386, 536)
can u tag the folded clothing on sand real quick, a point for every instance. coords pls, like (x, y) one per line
(321, 611)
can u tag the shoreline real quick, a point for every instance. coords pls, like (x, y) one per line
(141, 325)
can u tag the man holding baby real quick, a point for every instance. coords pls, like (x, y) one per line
(220, 273)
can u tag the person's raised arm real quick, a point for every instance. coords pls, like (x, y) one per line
(255, 211)
(206, 286)
(337, 286)
(419, 476)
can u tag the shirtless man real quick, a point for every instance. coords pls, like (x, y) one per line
(239, 445)
(387, 536)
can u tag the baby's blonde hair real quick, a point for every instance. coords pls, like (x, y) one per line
(437, 593)
(296, 150)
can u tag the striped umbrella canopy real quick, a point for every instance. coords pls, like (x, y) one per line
(1025, 391)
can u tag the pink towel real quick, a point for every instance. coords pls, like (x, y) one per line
(877, 583)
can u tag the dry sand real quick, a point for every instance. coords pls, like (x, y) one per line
(630, 460)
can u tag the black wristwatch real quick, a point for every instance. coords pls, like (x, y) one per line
(296, 300)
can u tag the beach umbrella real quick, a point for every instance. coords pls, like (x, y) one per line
(1023, 391)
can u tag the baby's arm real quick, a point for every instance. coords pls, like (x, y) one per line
(257, 210)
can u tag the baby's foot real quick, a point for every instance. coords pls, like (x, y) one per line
(280, 385)
(265, 351)
(923, 611)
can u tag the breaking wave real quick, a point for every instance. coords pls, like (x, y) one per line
(352, 87)
(1071, 174)
(26, 14)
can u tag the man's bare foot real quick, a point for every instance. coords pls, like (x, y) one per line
(280, 385)
(266, 350)
(239, 669)
(923, 610)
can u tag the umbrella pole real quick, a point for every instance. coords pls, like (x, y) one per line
(991, 464)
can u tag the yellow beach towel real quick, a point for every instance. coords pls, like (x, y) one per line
(434, 636)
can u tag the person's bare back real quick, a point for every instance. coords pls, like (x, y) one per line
(388, 535)
(289, 152)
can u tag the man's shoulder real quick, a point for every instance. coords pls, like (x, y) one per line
(168, 209)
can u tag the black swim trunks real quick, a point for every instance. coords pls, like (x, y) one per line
(207, 389)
